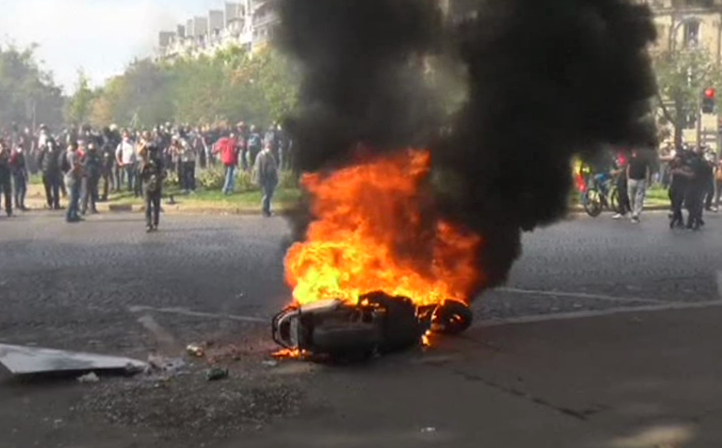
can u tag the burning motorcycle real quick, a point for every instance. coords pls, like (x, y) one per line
(377, 324)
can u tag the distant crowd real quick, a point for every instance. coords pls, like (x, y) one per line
(87, 164)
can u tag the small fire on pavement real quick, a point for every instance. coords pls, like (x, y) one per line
(378, 270)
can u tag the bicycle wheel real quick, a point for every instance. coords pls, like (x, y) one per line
(592, 203)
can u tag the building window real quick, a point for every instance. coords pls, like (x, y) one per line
(691, 33)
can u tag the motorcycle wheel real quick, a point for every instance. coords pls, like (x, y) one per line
(452, 317)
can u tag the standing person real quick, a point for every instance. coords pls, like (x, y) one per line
(227, 147)
(188, 166)
(638, 173)
(6, 188)
(711, 187)
(718, 184)
(151, 176)
(19, 168)
(680, 175)
(48, 161)
(73, 174)
(255, 145)
(91, 178)
(242, 131)
(107, 164)
(265, 174)
(125, 157)
(697, 189)
(620, 173)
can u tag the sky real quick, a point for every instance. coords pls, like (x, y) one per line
(99, 36)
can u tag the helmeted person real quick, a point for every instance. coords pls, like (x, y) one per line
(6, 186)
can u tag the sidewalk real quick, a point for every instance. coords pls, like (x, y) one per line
(647, 380)
(234, 205)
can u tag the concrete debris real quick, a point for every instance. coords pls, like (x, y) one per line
(21, 360)
(89, 378)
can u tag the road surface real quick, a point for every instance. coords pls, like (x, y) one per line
(106, 286)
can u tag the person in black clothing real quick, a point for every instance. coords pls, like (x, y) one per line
(6, 188)
(91, 178)
(48, 163)
(697, 188)
(152, 175)
(680, 178)
(19, 168)
(107, 163)
(710, 188)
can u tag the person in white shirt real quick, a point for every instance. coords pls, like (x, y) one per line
(126, 158)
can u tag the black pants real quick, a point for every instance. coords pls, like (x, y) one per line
(90, 194)
(677, 194)
(6, 188)
(709, 193)
(624, 205)
(108, 182)
(188, 176)
(51, 182)
(718, 194)
(694, 199)
(152, 207)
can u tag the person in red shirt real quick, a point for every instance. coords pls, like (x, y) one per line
(227, 147)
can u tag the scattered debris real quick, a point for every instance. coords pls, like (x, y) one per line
(21, 360)
(163, 364)
(428, 429)
(89, 378)
(270, 363)
(216, 374)
(195, 350)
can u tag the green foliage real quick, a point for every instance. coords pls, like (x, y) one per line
(27, 94)
(230, 86)
(682, 76)
(80, 104)
(212, 178)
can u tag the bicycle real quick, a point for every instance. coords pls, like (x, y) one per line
(601, 193)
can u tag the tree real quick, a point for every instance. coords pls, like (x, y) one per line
(28, 95)
(80, 105)
(682, 76)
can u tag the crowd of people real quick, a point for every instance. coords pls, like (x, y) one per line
(86, 165)
(692, 177)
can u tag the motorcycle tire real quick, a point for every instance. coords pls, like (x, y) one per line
(451, 318)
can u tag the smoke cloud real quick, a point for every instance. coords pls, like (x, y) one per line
(546, 79)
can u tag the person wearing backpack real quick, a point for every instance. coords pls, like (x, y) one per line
(72, 169)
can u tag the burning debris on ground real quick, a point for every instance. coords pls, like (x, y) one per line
(545, 80)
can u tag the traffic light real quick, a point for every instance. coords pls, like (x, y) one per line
(709, 101)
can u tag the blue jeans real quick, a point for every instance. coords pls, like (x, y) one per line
(268, 190)
(129, 171)
(73, 207)
(230, 183)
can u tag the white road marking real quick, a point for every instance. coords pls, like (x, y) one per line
(186, 312)
(609, 312)
(578, 295)
(160, 333)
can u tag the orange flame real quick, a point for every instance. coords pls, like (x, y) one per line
(371, 233)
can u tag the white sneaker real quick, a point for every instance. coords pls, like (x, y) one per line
(635, 220)
(618, 216)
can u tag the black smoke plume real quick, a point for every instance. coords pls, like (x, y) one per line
(546, 79)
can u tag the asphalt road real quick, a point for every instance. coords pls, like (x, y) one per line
(67, 283)
(106, 286)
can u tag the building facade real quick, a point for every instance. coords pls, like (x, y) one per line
(248, 24)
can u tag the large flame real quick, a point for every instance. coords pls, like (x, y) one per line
(373, 232)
